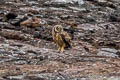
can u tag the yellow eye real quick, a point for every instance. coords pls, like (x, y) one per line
(58, 29)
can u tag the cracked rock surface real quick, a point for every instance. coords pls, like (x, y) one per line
(27, 51)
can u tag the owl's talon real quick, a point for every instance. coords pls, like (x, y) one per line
(59, 49)
(62, 49)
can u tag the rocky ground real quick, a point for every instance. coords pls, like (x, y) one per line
(27, 51)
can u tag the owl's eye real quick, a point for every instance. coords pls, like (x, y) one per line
(58, 28)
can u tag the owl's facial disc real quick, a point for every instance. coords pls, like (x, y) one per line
(58, 28)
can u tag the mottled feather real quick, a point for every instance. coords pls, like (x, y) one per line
(66, 38)
(61, 38)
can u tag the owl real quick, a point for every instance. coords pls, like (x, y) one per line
(61, 38)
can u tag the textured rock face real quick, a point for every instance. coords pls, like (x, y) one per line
(69, 1)
(27, 51)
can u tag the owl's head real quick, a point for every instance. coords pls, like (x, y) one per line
(58, 28)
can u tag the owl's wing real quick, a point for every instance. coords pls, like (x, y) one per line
(66, 38)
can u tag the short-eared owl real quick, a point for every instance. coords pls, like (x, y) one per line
(61, 38)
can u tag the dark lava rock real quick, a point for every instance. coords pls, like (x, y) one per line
(94, 27)
(33, 78)
(36, 34)
(65, 17)
(90, 0)
(11, 16)
(40, 35)
(19, 77)
(118, 53)
(6, 25)
(12, 34)
(108, 52)
(114, 18)
(43, 33)
(17, 22)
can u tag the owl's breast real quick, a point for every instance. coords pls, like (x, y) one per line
(59, 40)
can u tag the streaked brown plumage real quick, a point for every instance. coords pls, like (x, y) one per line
(61, 38)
